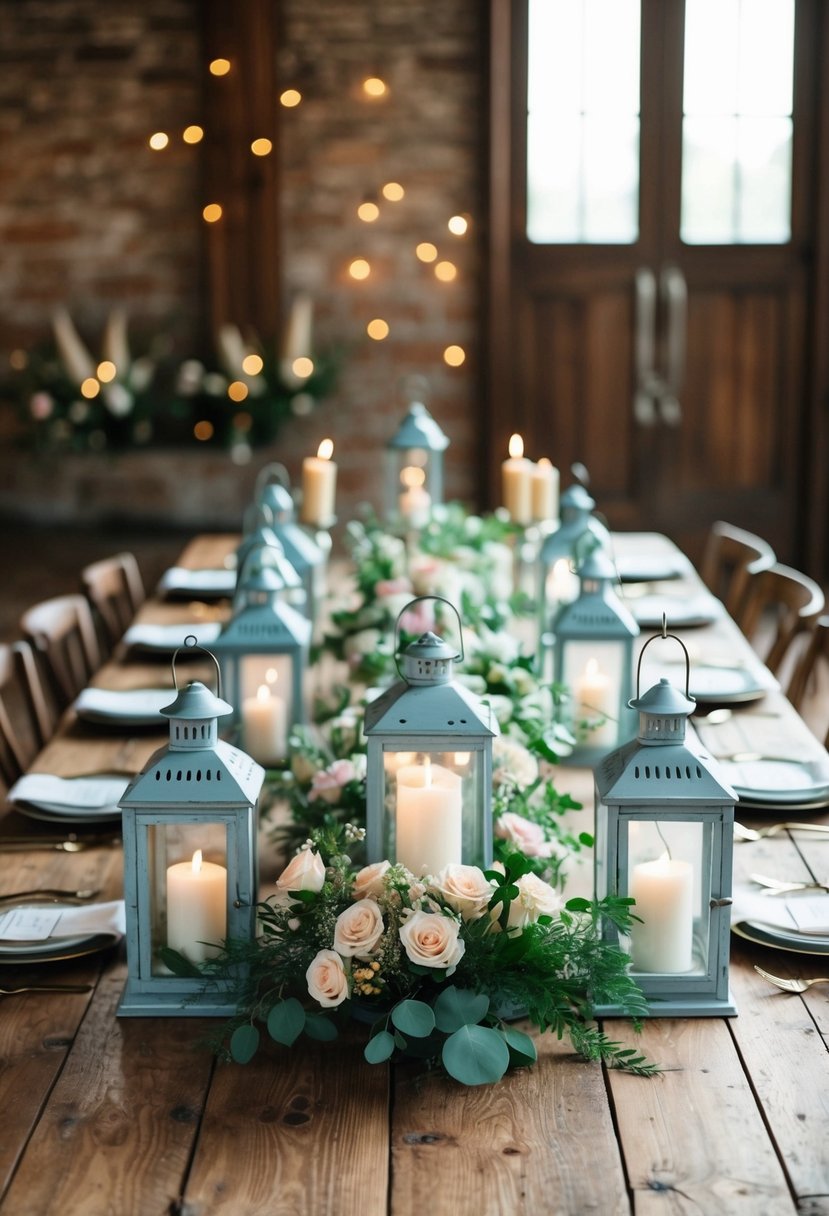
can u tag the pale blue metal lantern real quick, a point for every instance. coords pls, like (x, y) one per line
(263, 652)
(429, 771)
(258, 534)
(299, 546)
(593, 660)
(189, 824)
(562, 549)
(414, 475)
(664, 837)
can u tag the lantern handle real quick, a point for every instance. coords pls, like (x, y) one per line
(275, 471)
(441, 600)
(663, 635)
(191, 642)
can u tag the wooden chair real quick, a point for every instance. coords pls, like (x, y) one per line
(25, 721)
(809, 683)
(730, 558)
(115, 590)
(781, 603)
(61, 631)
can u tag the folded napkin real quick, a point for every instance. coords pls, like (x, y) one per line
(134, 705)
(699, 609)
(179, 580)
(167, 637)
(27, 923)
(69, 793)
(793, 914)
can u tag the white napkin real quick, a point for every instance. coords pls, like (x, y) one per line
(208, 582)
(793, 914)
(168, 637)
(680, 610)
(142, 704)
(69, 793)
(28, 923)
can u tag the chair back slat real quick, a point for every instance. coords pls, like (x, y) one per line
(781, 604)
(61, 631)
(732, 556)
(115, 589)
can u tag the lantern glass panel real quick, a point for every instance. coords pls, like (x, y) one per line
(188, 884)
(267, 708)
(432, 808)
(594, 671)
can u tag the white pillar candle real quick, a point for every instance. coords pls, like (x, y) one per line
(545, 490)
(429, 824)
(664, 894)
(265, 726)
(595, 702)
(562, 586)
(196, 907)
(516, 482)
(415, 500)
(319, 485)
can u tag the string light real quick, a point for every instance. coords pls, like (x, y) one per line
(237, 390)
(90, 388)
(302, 367)
(252, 365)
(212, 212)
(261, 147)
(193, 134)
(359, 269)
(290, 98)
(458, 225)
(158, 141)
(426, 251)
(393, 191)
(446, 272)
(203, 430)
(106, 371)
(373, 86)
(368, 212)
(378, 329)
(454, 356)
(219, 67)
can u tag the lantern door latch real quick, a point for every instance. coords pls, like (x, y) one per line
(720, 903)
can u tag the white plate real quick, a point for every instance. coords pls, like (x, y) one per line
(726, 685)
(128, 707)
(75, 799)
(164, 639)
(680, 612)
(778, 781)
(779, 939)
(651, 568)
(203, 584)
(60, 949)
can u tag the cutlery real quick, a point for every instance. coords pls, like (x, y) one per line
(50, 893)
(774, 886)
(790, 985)
(750, 757)
(744, 834)
(46, 988)
(71, 844)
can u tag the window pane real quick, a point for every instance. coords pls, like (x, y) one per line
(737, 126)
(583, 125)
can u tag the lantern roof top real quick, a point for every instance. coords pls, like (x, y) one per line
(430, 646)
(256, 628)
(300, 548)
(576, 499)
(669, 777)
(596, 564)
(197, 701)
(419, 430)
(430, 709)
(221, 776)
(664, 700)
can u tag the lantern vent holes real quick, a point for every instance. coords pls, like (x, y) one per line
(179, 775)
(402, 721)
(657, 771)
(194, 733)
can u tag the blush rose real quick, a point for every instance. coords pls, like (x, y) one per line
(358, 929)
(326, 979)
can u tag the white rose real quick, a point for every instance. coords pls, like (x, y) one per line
(358, 929)
(368, 882)
(511, 761)
(535, 898)
(432, 940)
(501, 706)
(326, 979)
(305, 872)
(358, 645)
(463, 888)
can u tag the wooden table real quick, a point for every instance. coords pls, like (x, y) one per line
(132, 1117)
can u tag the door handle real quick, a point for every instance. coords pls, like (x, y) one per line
(648, 384)
(674, 292)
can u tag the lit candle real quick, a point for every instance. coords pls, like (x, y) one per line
(319, 484)
(264, 726)
(429, 821)
(595, 703)
(516, 482)
(663, 891)
(415, 500)
(545, 491)
(562, 585)
(196, 907)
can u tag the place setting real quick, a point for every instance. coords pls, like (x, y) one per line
(38, 928)
(207, 584)
(133, 707)
(91, 799)
(782, 916)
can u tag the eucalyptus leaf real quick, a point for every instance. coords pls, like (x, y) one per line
(286, 1021)
(179, 964)
(476, 1055)
(414, 1018)
(456, 1007)
(379, 1048)
(321, 1028)
(521, 1047)
(244, 1043)
(578, 904)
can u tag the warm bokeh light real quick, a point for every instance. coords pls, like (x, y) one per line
(458, 225)
(193, 134)
(18, 359)
(159, 140)
(290, 98)
(203, 430)
(212, 212)
(373, 86)
(412, 476)
(446, 271)
(219, 67)
(393, 191)
(237, 390)
(426, 251)
(106, 371)
(454, 356)
(368, 212)
(359, 269)
(243, 421)
(252, 365)
(261, 147)
(378, 329)
(302, 367)
(516, 446)
(90, 388)
(326, 449)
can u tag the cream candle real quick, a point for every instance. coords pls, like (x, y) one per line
(663, 890)
(516, 482)
(319, 484)
(196, 907)
(545, 491)
(562, 585)
(415, 500)
(429, 823)
(595, 702)
(265, 726)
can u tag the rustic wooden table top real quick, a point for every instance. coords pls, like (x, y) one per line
(101, 1115)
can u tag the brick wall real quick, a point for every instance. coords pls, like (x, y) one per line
(89, 216)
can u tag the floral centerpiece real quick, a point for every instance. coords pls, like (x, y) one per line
(434, 967)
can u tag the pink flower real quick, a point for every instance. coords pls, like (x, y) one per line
(419, 618)
(525, 835)
(327, 783)
(393, 586)
(327, 980)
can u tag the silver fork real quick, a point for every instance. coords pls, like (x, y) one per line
(775, 886)
(790, 985)
(46, 988)
(742, 833)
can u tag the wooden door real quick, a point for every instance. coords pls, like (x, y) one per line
(676, 370)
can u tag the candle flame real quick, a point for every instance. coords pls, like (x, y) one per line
(411, 476)
(197, 860)
(516, 446)
(263, 693)
(271, 675)
(326, 449)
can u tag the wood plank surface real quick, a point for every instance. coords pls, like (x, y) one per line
(542, 1140)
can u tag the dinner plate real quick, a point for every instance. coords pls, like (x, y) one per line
(651, 568)
(91, 799)
(680, 612)
(59, 949)
(29, 930)
(203, 584)
(725, 685)
(164, 639)
(779, 781)
(778, 939)
(124, 707)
